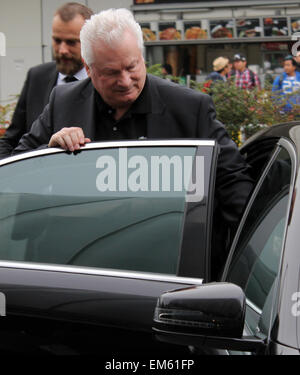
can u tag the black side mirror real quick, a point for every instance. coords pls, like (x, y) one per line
(212, 315)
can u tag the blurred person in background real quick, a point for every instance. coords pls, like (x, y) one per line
(66, 67)
(288, 83)
(166, 70)
(244, 77)
(221, 69)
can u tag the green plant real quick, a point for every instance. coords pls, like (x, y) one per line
(6, 112)
(244, 112)
(247, 111)
(155, 70)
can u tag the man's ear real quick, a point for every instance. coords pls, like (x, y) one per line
(87, 68)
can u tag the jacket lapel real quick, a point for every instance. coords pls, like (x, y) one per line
(155, 119)
(84, 113)
(51, 84)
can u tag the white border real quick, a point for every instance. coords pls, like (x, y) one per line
(111, 144)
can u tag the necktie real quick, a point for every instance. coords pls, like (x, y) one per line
(68, 79)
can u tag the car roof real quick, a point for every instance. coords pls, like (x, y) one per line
(287, 129)
(264, 140)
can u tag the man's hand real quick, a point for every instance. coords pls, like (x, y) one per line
(69, 139)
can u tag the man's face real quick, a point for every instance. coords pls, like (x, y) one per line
(118, 72)
(240, 65)
(288, 67)
(66, 44)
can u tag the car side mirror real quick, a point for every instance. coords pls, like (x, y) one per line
(211, 315)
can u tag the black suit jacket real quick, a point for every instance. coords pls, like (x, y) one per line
(35, 94)
(175, 112)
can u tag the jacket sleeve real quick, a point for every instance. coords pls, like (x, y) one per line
(233, 179)
(18, 124)
(40, 133)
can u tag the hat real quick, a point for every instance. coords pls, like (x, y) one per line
(239, 57)
(220, 63)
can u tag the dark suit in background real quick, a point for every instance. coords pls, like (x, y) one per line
(66, 48)
(35, 95)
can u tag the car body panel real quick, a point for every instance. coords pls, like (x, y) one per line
(115, 303)
(284, 331)
(118, 305)
(107, 303)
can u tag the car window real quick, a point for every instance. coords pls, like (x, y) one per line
(256, 259)
(108, 208)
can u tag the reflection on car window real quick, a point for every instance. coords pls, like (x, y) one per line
(52, 211)
(257, 255)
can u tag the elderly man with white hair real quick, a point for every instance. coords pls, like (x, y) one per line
(120, 100)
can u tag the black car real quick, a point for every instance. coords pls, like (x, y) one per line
(108, 251)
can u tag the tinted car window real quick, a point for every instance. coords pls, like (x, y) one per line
(256, 259)
(73, 209)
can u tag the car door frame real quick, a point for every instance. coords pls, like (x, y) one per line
(290, 148)
(78, 294)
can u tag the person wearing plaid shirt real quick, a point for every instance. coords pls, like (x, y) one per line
(244, 77)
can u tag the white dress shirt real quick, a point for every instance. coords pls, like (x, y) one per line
(81, 74)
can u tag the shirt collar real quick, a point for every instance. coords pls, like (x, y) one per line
(141, 105)
(81, 74)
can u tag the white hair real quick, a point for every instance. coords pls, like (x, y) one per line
(108, 26)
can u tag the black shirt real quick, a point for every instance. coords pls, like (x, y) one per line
(132, 125)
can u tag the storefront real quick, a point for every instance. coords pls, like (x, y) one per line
(189, 35)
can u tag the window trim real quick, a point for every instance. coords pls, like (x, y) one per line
(291, 150)
(201, 259)
(253, 306)
(110, 144)
(100, 272)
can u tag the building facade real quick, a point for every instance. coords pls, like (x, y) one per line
(188, 35)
